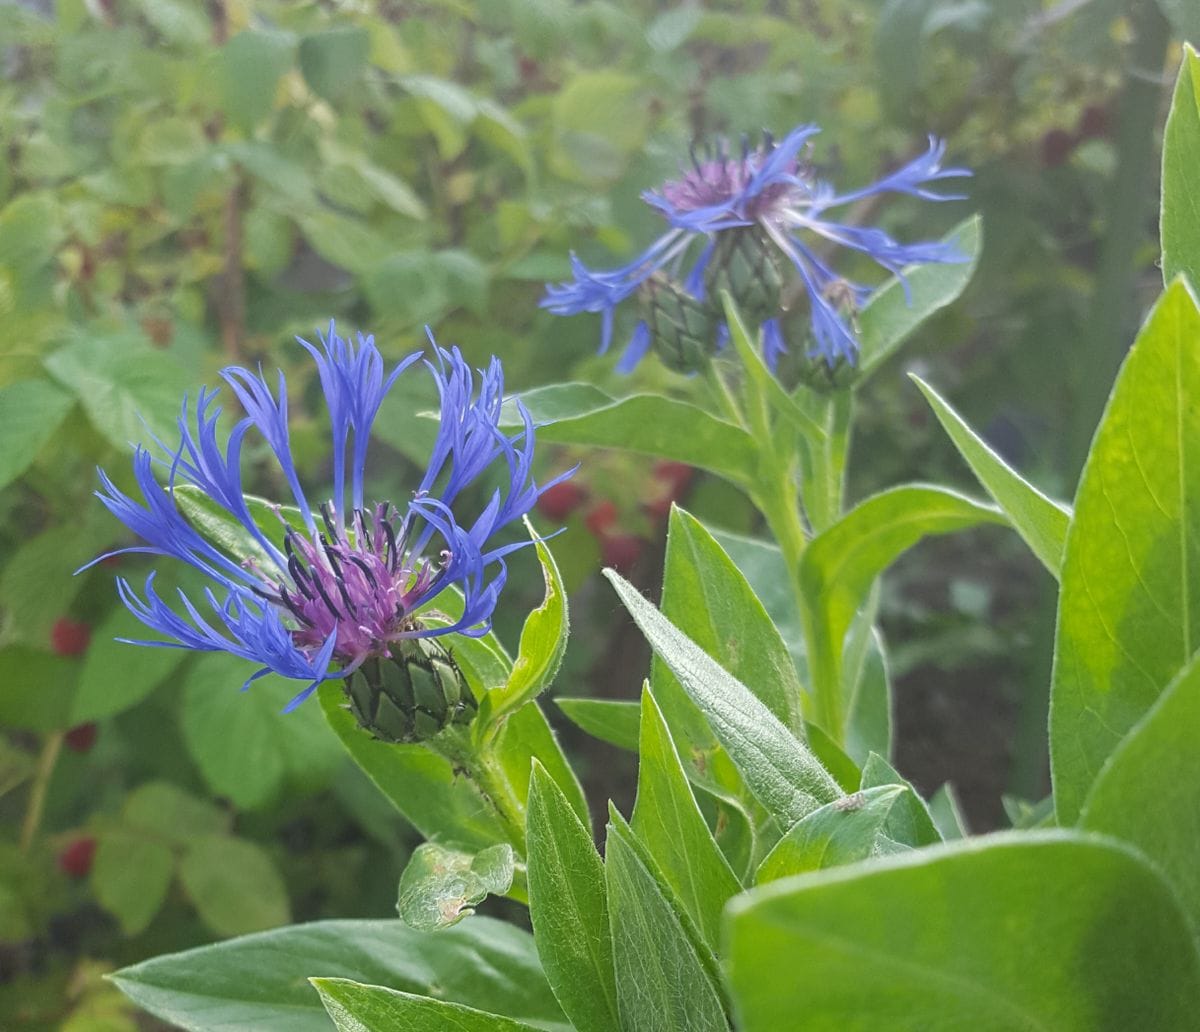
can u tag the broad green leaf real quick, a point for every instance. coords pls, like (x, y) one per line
(166, 812)
(840, 565)
(418, 782)
(1042, 930)
(667, 820)
(600, 118)
(892, 314)
(38, 582)
(480, 963)
(1180, 191)
(707, 598)
(841, 832)
(441, 886)
(249, 69)
(1148, 793)
(778, 768)
(30, 412)
(1040, 521)
(909, 821)
(1129, 607)
(333, 61)
(233, 884)
(242, 741)
(37, 689)
(373, 1008)
(115, 674)
(130, 876)
(647, 423)
(128, 389)
(568, 906)
(661, 980)
(615, 721)
(543, 642)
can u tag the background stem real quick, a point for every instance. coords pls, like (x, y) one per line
(37, 792)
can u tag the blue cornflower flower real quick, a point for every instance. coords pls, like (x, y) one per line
(765, 206)
(342, 584)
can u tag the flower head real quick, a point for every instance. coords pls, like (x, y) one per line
(738, 221)
(316, 592)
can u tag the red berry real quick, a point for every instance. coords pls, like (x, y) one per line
(69, 637)
(560, 500)
(1057, 145)
(620, 551)
(81, 738)
(1093, 122)
(76, 858)
(601, 517)
(675, 474)
(659, 508)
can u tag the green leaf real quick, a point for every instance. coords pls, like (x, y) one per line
(333, 61)
(707, 598)
(37, 689)
(30, 412)
(117, 675)
(947, 813)
(600, 119)
(970, 935)
(890, 316)
(615, 721)
(166, 812)
(840, 565)
(909, 821)
(371, 1008)
(568, 907)
(648, 423)
(234, 885)
(543, 643)
(668, 822)
(221, 528)
(1180, 190)
(480, 963)
(661, 981)
(128, 389)
(1148, 793)
(839, 833)
(418, 782)
(242, 741)
(130, 877)
(249, 68)
(441, 886)
(778, 768)
(1129, 607)
(762, 387)
(867, 686)
(1040, 521)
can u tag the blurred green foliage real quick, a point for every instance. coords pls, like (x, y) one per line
(188, 184)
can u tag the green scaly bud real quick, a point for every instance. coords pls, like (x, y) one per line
(412, 695)
(746, 263)
(681, 327)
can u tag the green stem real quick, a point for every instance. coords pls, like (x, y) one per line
(37, 793)
(478, 763)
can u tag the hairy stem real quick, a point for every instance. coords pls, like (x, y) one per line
(37, 793)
